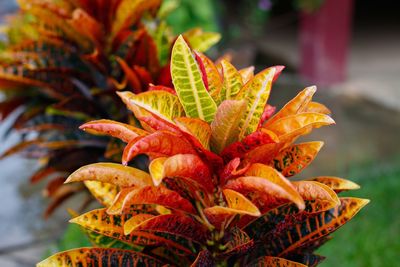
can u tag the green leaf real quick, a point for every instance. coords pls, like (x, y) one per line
(188, 82)
(224, 128)
(232, 81)
(256, 92)
(201, 41)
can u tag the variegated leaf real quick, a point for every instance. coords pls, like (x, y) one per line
(122, 131)
(214, 79)
(112, 173)
(161, 103)
(295, 106)
(158, 144)
(336, 183)
(105, 193)
(300, 228)
(157, 195)
(198, 128)
(256, 92)
(299, 123)
(293, 159)
(270, 261)
(232, 81)
(224, 128)
(188, 83)
(247, 74)
(94, 256)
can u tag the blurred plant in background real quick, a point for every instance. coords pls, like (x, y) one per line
(62, 61)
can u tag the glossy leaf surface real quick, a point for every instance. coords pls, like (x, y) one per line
(189, 85)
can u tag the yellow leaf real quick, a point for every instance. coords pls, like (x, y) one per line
(113, 173)
(196, 127)
(232, 81)
(237, 201)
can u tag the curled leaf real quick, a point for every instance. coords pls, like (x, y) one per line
(112, 173)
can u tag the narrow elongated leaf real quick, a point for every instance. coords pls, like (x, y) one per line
(105, 193)
(256, 92)
(200, 129)
(297, 105)
(158, 144)
(293, 159)
(214, 79)
(232, 81)
(336, 183)
(93, 256)
(122, 131)
(189, 85)
(300, 228)
(269, 261)
(112, 173)
(157, 195)
(224, 128)
(161, 103)
(297, 123)
(239, 244)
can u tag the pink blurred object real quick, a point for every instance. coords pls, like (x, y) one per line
(324, 42)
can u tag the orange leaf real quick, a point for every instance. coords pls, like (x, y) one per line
(123, 131)
(310, 190)
(336, 183)
(272, 175)
(295, 158)
(189, 166)
(237, 201)
(297, 105)
(160, 143)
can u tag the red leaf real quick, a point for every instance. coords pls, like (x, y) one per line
(202, 69)
(253, 140)
(157, 195)
(189, 166)
(267, 113)
(175, 224)
(160, 143)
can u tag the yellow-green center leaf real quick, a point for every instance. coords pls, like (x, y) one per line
(256, 92)
(224, 129)
(232, 81)
(188, 83)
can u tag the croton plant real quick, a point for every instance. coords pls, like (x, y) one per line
(217, 191)
(62, 62)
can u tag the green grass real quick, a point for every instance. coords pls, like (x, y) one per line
(372, 238)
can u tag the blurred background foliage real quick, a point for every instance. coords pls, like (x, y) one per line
(370, 157)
